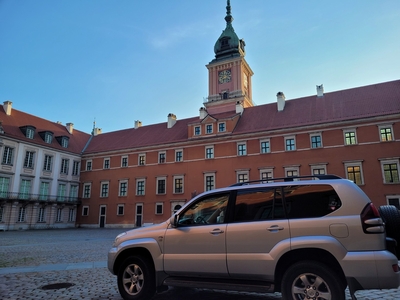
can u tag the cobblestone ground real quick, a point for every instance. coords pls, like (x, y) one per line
(33, 248)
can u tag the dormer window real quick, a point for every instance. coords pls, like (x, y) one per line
(28, 131)
(63, 141)
(224, 43)
(47, 136)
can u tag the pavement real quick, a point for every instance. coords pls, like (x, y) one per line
(71, 264)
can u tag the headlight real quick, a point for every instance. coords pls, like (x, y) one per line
(117, 238)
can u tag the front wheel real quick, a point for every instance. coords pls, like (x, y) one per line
(311, 280)
(136, 279)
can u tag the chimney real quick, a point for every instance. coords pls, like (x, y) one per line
(7, 105)
(239, 107)
(96, 131)
(70, 127)
(320, 90)
(138, 124)
(281, 101)
(203, 113)
(171, 120)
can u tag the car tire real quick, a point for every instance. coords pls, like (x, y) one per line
(136, 279)
(311, 280)
(391, 216)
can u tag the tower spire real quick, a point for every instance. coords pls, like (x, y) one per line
(228, 17)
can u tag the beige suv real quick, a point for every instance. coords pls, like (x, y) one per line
(305, 238)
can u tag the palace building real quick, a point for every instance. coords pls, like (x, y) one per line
(54, 176)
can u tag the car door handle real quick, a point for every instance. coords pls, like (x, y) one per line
(216, 231)
(275, 228)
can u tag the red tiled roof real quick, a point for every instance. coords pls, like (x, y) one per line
(356, 103)
(12, 123)
(362, 102)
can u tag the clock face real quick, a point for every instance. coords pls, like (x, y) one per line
(224, 76)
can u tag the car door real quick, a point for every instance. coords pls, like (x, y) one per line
(196, 246)
(258, 227)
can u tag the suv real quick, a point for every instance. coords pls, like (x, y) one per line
(305, 238)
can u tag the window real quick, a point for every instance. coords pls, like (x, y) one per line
(59, 215)
(62, 192)
(124, 161)
(242, 176)
(123, 187)
(210, 152)
(266, 175)
(159, 208)
(178, 155)
(292, 171)
(178, 184)
(106, 163)
(316, 141)
(71, 215)
(85, 211)
(41, 214)
(8, 155)
(241, 149)
(25, 189)
(104, 190)
(4, 186)
(86, 190)
(390, 170)
(88, 165)
(197, 130)
(393, 200)
(30, 132)
(48, 137)
(140, 187)
(209, 128)
(21, 214)
(290, 144)
(254, 205)
(350, 137)
(64, 166)
(44, 190)
(28, 162)
(120, 210)
(48, 162)
(75, 168)
(209, 182)
(142, 159)
(354, 172)
(161, 157)
(160, 186)
(265, 146)
(209, 210)
(221, 127)
(64, 142)
(318, 170)
(139, 214)
(386, 133)
(73, 193)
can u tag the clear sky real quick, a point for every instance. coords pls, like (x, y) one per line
(124, 60)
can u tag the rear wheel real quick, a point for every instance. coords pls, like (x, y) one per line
(311, 280)
(391, 216)
(136, 279)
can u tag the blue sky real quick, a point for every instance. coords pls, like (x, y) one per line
(120, 61)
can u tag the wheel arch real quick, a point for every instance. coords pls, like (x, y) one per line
(310, 254)
(136, 251)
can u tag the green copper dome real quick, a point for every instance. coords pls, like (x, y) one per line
(228, 45)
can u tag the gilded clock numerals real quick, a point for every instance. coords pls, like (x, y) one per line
(224, 76)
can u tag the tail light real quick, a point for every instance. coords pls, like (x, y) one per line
(371, 220)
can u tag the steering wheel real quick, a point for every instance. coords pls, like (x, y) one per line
(200, 220)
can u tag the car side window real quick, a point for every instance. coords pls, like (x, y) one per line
(310, 201)
(258, 205)
(209, 210)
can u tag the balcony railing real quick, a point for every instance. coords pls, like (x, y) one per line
(38, 198)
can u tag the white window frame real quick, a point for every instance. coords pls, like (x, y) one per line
(21, 214)
(29, 160)
(183, 184)
(176, 153)
(264, 171)
(48, 163)
(291, 137)
(123, 209)
(222, 123)
(239, 144)
(354, 164)
(159, 204)
(64, 166)
(194, 130)
(101, 189)
(84, 190)
(106, 163)
(211, 127)
(137, 186)
(160, 154)
(292, 169)
(71, 215)
(165, 185)
(73, 192)
(86, 207)
(123, 160)
(89, 165)
(315, 134)
(8, 155)
(242, 172)
(142, 155)
(41, 214)
(387, 162)
(350, 130)
(209, 174)
(315, 167)
(212, 152)
(120, 194)
(385, 126)
(75, 168)
(269, 146)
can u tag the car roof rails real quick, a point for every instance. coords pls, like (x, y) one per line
(291, 178)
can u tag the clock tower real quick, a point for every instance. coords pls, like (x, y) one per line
(229, 75)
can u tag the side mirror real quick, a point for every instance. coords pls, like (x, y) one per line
(174, 220)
